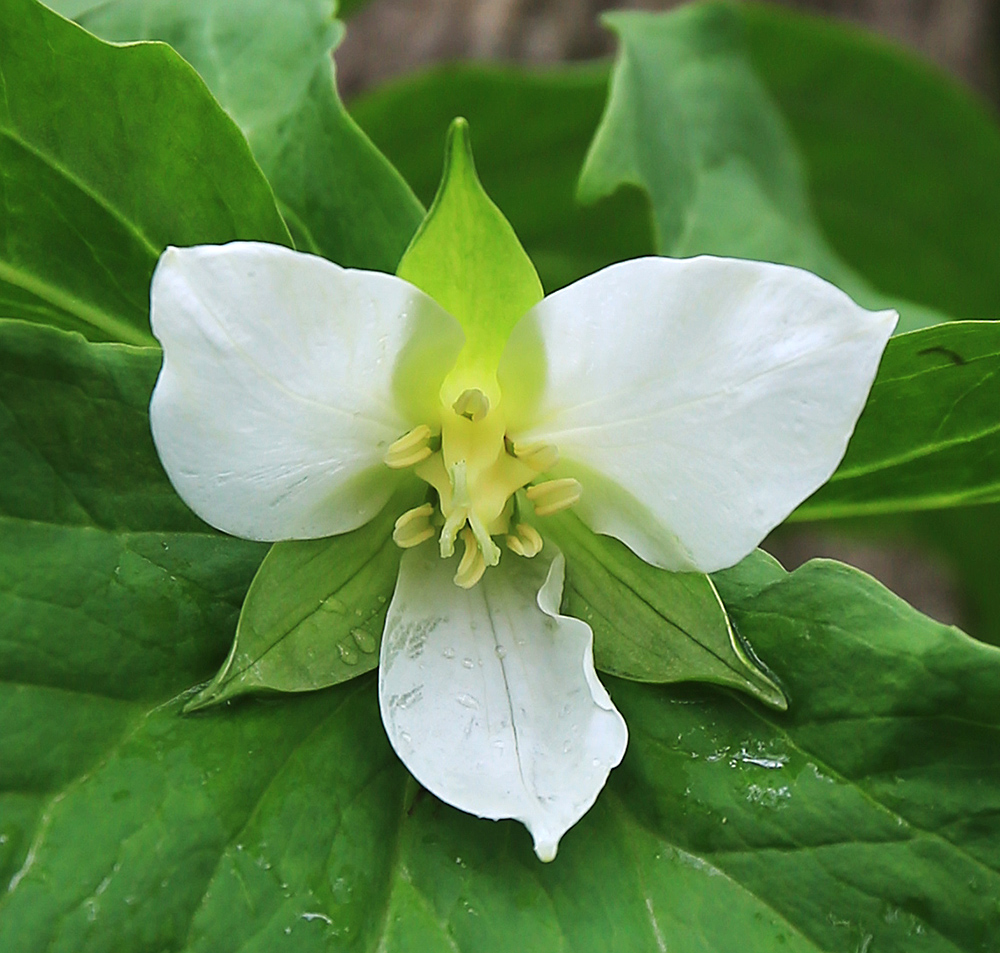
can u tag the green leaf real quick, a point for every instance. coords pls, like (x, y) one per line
(109, 154)
(929, 436)
(688, 120)
(102, 567)
(468, 259)
(270, 67)
(314, 614)
(901, 159)
(863, 816)
(651, 625)
(532, 131)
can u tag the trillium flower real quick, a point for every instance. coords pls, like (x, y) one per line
(685, 407)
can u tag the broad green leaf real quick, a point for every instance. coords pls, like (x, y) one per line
(864, 816)
(269, 65)
(929, 436)
(97, 552)
(688, 121)
(314, 614)
(467, 258)
(108, 155)
(532, 130)
(901, 159)
(651, 625)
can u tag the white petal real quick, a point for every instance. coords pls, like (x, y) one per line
(490, 697)
(698, 401)
(284, 380)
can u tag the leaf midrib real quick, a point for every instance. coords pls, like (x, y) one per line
(114, 327)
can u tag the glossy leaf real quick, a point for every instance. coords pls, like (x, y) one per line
(468, 259)
(651, 625)
(314, 614)
(531, 131)
(103, 168)
(929, 436)
(269, 65)
(862, 816)
(901, 159)
(97, 552)
(688, 121)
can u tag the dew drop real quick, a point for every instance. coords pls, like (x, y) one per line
(596, 762)
(347, 654)
(468, 663)
(501, 651)
(342, 890)
(365, 640)
(333, 605)
(448, 653)
(404, 736)
(467, 701)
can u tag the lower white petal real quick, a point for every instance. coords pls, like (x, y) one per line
(698, 401)
(490, 697)
(285, 378)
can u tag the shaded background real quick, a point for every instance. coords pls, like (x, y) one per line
(387, 38)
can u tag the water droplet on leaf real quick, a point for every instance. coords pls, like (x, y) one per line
(365, 640)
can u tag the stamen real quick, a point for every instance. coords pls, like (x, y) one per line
(525, 541)
(554, 495)
(413, 527)
(489, 549)
(459, 509)
(472, 404)
(539, 456)
(472, 565)
(409, 449)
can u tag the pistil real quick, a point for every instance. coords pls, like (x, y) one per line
(476, 471)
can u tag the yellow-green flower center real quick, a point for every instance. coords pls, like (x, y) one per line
(476, 471)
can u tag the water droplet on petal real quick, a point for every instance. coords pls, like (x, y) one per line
(468, 663)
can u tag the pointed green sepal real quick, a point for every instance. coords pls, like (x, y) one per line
(466, 256)
(314, 613)
(651, 625)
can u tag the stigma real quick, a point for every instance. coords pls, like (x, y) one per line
(476, 472)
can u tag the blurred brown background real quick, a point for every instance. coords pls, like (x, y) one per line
(390, 37)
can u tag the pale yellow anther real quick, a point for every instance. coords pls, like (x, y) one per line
(409, 449)
(413, 527)
(472, 404)
(525, 541)
(554, 495)
(539, 456)
(472, 565)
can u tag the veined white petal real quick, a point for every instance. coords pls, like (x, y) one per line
(490, 697)
(285, 378)
(698, 401)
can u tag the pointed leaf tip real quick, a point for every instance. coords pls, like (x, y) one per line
(467, 257)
